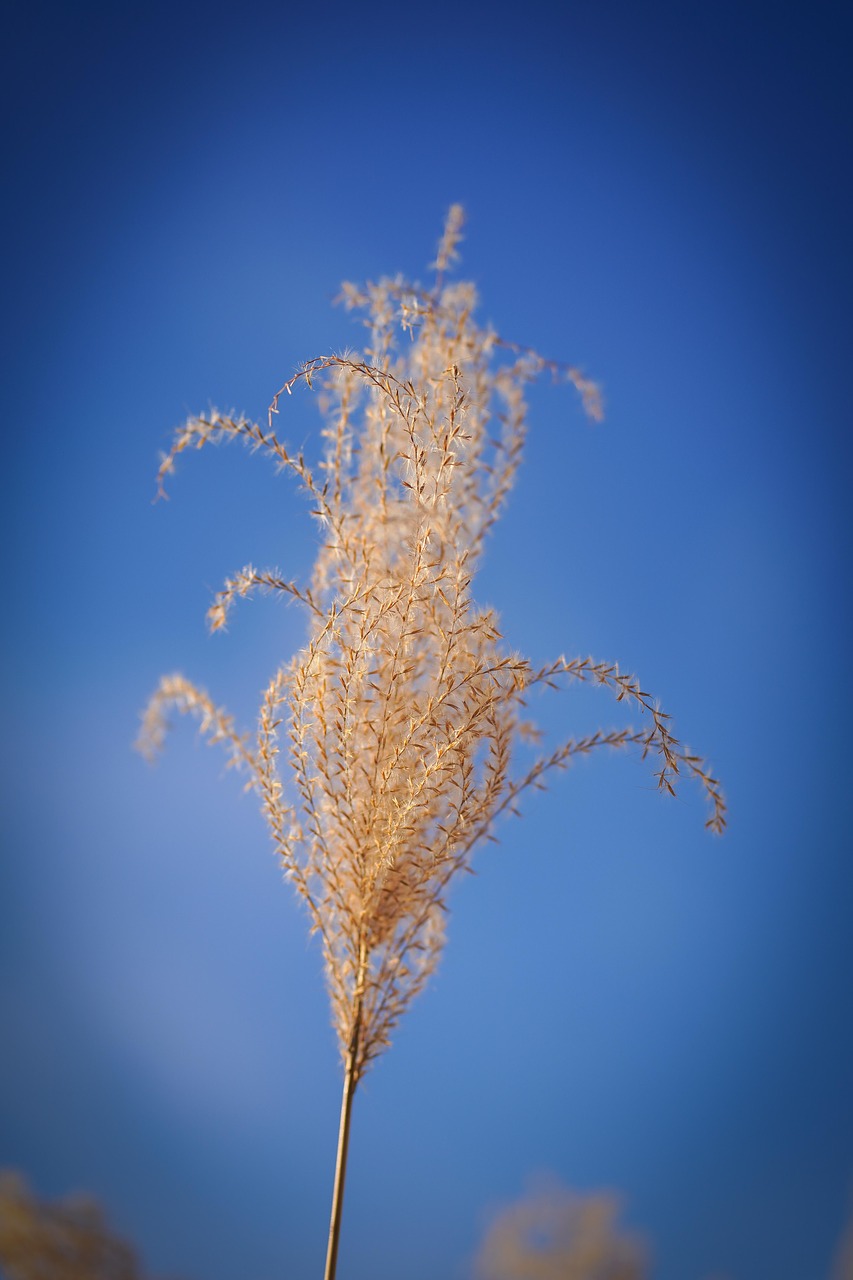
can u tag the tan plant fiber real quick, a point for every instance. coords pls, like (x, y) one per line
(398, 719)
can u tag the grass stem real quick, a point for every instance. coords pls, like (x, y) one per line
(341, 1161)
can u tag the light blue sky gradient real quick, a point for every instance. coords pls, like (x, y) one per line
(660, 194)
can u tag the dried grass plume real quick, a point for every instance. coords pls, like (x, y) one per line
(399, 718)
(555, 1234)
(398, 721)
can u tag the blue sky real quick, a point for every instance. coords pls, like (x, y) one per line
(660, 194)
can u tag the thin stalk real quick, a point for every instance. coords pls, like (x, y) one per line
(350, 1081)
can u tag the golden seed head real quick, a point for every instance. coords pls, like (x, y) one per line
(399, 719)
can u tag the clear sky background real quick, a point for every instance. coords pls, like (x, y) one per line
(660, 193)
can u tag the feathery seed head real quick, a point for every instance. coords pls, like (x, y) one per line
(399, 717)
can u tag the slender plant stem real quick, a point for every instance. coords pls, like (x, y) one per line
(343, 1146)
